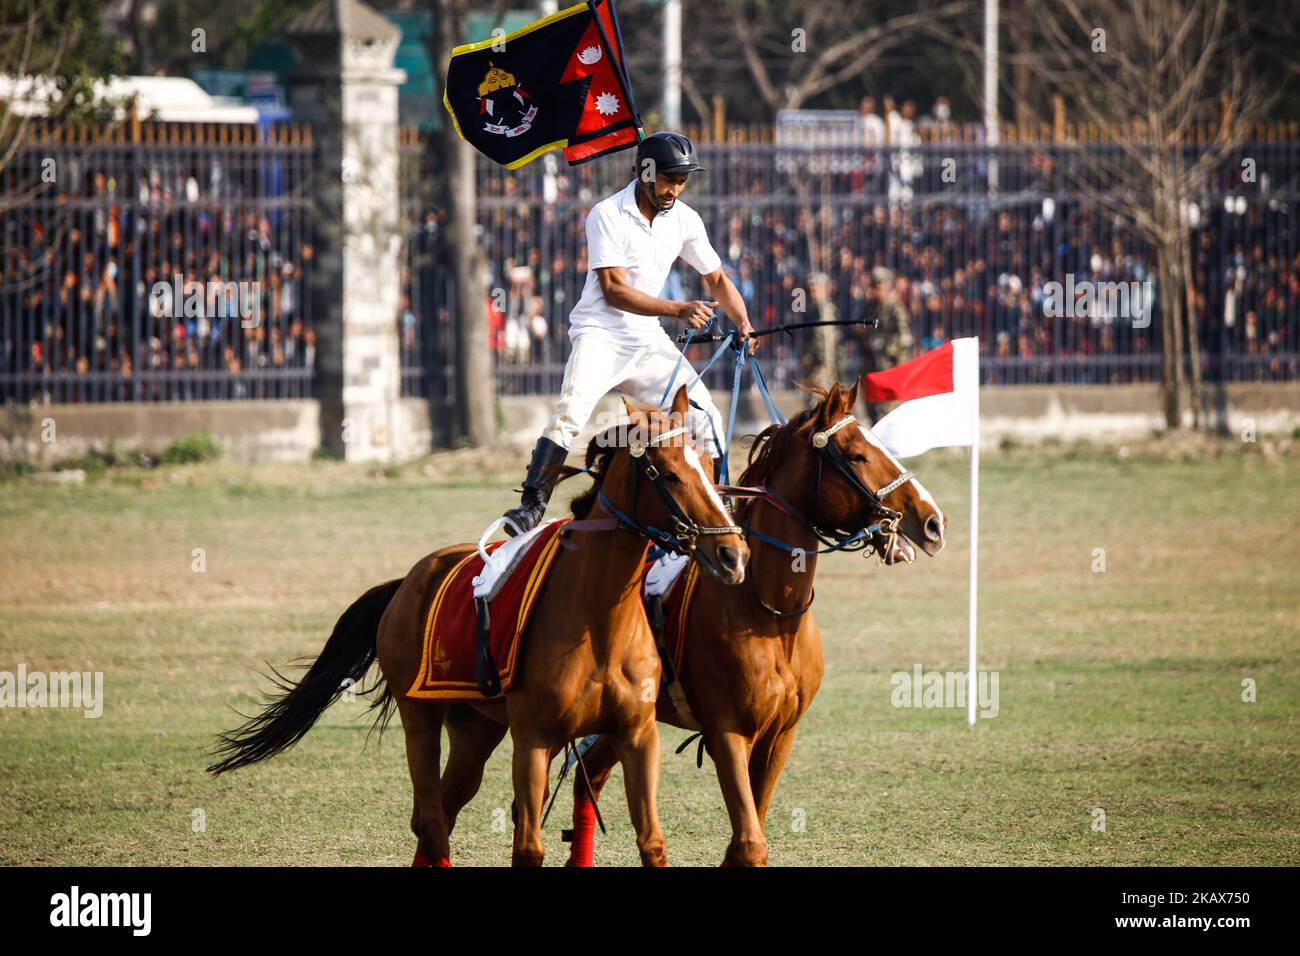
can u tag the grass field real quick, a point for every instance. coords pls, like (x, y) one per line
(1120, 691)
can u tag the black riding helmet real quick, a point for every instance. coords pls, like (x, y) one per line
(670, 153)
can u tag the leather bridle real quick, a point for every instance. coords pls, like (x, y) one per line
(838, 539)
(685, 532)
(886, 519)
(828, 451)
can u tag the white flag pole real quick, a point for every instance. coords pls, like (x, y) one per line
(971, 685)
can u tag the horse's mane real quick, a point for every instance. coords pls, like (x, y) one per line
(769, 449)
(600, 450)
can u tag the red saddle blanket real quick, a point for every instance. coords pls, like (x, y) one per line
(447, 661)
(677, 606)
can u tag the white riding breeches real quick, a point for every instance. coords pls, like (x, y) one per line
(598, 364)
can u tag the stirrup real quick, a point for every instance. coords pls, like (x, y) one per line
(512, 528)
(491, 530)
(512, 525)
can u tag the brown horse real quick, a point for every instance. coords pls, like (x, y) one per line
(753, 658)
(588, 662)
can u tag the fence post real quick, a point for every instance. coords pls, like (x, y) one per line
(138, 205)
(345, 86)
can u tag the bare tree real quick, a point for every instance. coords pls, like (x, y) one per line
(51, 56)
(44, 51)
(1151, 73)
(797, 50)
(456, 191)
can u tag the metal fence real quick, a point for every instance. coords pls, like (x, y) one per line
(152, 262)
(426, 333)
(972, 235)
(129, 257)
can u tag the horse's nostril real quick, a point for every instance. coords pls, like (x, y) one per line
(729, 558)
(934, 528)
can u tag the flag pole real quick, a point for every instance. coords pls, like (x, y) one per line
(627, 80)
(620, 71)
(971, 685)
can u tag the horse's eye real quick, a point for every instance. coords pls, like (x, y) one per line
(671, 478)
(861, 458)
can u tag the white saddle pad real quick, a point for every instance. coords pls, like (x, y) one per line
(663, 574)
(499, 564)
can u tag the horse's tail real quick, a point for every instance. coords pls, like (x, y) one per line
(342, 664)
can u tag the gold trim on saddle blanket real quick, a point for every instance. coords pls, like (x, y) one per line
(425, 687)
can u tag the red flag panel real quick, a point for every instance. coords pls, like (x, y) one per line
(928, 374)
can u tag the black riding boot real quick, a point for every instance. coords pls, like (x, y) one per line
(538, 485)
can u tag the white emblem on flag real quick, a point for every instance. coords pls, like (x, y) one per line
(607, 104)
(589, 55)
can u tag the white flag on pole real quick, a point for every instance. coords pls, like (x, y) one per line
(938, 390)
(940, 395)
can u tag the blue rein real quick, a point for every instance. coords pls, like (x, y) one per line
(853, 539)
(743, 359)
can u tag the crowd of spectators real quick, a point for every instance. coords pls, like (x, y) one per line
(84, 263)
(80, 260)
(958, 267)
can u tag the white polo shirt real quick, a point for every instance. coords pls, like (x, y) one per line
(618, 234)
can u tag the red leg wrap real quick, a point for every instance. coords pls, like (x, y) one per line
(583, 849)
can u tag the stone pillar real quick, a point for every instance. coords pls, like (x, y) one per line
(345, 86)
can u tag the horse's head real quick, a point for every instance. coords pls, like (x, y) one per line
(881, 473)
(654, 473)
(857, 483)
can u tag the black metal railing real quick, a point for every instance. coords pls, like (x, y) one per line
(971, 236)
(157, 262)
(95, 254)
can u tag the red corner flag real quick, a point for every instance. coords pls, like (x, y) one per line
(939, 392)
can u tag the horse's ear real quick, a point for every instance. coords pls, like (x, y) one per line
(681, 403)
(633, 409)
(828, 411)
(851, 401)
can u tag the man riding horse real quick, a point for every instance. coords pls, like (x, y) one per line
(633, 239)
